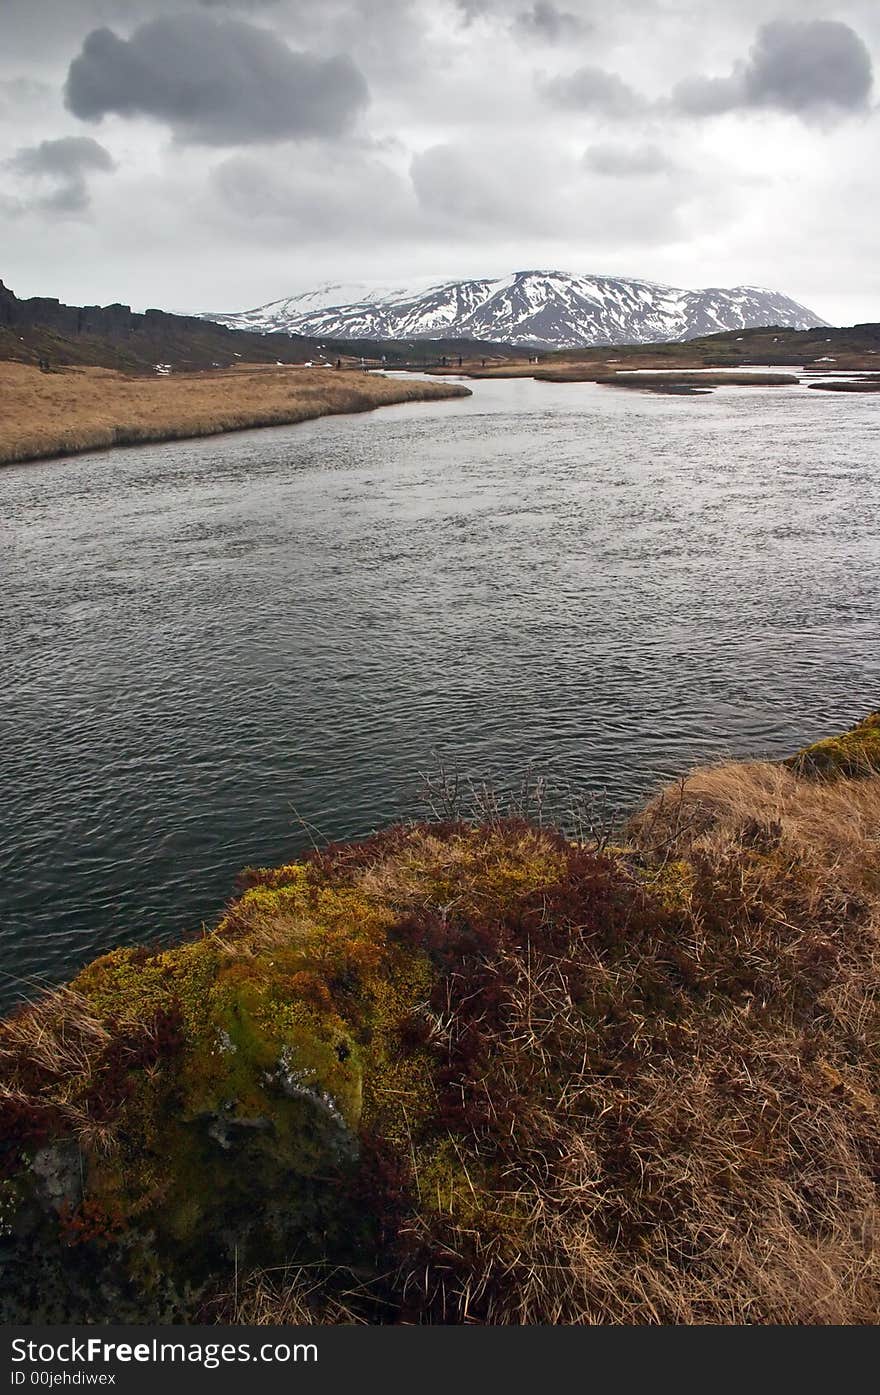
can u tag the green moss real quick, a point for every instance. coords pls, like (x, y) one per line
(855, 752)
(670, 885)
(131, 985)
(288, 1025)
(399, 1092)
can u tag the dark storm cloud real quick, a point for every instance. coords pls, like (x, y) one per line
(545, 21)
(215, 82)
(809, 67)
(593, 89)
(60, 170)
(71, 155)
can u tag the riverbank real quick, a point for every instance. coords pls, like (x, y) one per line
(83, 409)
(473, 1071)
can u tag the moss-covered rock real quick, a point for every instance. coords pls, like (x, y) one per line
(179, 1111)
(855, 752)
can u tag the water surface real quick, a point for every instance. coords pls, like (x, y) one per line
(209, 646)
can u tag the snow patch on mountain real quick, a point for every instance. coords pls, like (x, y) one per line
(540, 309)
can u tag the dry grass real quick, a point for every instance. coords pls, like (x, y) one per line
(830, 829)
(665, 1073)
(296, 1296)
(81, 409)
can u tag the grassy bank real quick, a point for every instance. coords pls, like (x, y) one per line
(82, 409)
(475, 1072)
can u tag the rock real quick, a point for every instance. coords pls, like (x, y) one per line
(59, 1172)
(855, 752)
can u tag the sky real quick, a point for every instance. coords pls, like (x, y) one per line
(219, 154)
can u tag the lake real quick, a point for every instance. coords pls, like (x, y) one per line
(215, 651)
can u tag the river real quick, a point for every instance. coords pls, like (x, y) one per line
(217, 650)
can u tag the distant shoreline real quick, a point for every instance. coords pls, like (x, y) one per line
(47, 416)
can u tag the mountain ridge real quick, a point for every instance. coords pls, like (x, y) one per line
(527, 309)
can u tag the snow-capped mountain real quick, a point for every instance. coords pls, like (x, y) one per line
(544, 309)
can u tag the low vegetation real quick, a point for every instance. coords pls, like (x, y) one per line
(476, 1072)
(664, 382)
(649, 372)
(867, 383)
(82, 409)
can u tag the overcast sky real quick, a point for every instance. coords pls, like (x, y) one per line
(217, 154)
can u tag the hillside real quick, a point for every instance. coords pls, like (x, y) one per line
(529, 309)
(113, 336)
(474, 1072)
(774, 345)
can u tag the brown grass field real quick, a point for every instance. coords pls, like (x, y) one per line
(83, 409)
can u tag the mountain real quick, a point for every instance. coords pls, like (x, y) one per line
(540, 309)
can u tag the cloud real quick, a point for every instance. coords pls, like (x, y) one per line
(62, 167)
(545, 21)
(215, 82)
(314, 197)
(473, 9)
(535, 191)
(72, 155)
(457, 185)
(23, 92)
(627, 162)
(593, 89)
(809, 67)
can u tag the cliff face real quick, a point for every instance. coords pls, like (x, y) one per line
(114, 336)
(476, 1072)
(111, 320)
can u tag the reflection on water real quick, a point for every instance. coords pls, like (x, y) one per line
(213, 648)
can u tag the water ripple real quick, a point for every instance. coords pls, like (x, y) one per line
(210, 646)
